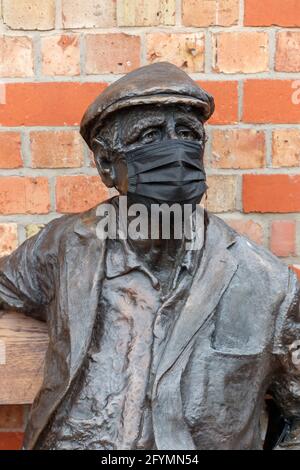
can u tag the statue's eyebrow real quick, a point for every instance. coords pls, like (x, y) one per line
(190, 121)
(135, 129)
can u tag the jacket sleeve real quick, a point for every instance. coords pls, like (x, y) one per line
(27, 276)
(286, 385)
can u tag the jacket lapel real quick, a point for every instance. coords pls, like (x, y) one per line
(213, 276)
(215, 272)
(84, 276)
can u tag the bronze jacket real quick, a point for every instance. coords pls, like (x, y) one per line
(234, 340)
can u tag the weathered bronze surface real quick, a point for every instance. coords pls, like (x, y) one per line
(153, 346)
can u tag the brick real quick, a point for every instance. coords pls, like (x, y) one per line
(63, 103)
(145, 12)
(286, 148)
(56, 149)
(124, 53)
(296, 269)
(47, 104)
(10, 150)
(33, 229)
(283, 237)
(238, 148)
(21, 195)
(288, 51)
(11, 440)
(79, 193)
(221, 193)
(60, 55)
(91, 159)
(2, 93)
(8, 243)
(272, 12)
(88, 13)
(240, 52)
(248, 228)
(296, 92)
(271, 101)
(226, 99)
(11, 416)
(210, 12)
(271, 193)
(16, 54)
(186, 50)
(29, 14)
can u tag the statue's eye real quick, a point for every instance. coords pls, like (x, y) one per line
(150, 135)
(185, 133)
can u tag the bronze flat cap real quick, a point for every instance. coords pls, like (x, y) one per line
(161, 82)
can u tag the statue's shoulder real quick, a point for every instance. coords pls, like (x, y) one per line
(253, 259)
(65, 228)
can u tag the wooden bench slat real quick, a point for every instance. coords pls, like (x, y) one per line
(23, 343)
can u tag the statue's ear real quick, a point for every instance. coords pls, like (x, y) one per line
(103, 162)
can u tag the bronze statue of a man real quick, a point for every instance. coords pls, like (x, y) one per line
(154, 345)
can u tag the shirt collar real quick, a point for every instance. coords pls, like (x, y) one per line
(121, 258)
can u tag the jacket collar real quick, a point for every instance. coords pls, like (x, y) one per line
(121, 257)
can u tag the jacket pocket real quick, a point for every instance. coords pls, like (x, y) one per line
(236, 353)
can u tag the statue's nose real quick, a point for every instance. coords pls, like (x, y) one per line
(171, 131)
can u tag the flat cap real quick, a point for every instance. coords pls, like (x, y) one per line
(161, 82)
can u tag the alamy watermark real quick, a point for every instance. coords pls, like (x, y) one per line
(156, 221)
(296, 93)
(2, 93)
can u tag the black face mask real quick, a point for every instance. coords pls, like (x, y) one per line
(167, 171)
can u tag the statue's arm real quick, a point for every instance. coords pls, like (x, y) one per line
(286, 386)
(27, 275)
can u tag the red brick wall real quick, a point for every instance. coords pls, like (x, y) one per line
(56, 56)
(12, 421)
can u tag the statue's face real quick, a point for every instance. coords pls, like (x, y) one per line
(139, 126)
